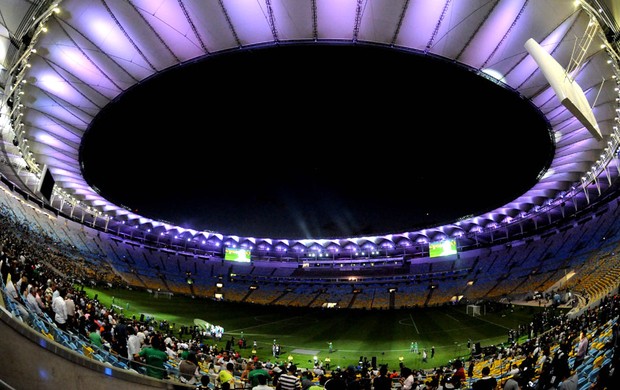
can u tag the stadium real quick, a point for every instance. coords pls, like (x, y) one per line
(491, 227)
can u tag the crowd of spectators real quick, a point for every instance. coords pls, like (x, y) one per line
(43, 277)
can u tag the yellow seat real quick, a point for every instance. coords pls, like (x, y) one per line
(88, 351)
(598, 361)
(48, 335)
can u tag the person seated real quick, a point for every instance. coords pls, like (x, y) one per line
(262, 383)
(189, 371)
(205, 383)
(258, 370)
(226, 377)
(487, 382)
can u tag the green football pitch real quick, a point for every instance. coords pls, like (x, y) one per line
(304, 333)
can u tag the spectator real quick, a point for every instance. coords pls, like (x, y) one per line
(154, 357)
(582, 349)
(248, 366)
(205, 383)
(60, 309)
(226, 377)
(569, 381)
(36, 291)
(383, 381)
(189, 372)
(262, 383)
(95, 335)
(254, 374)
(70, 306)
(512, 383)
(120, 337)
(320, 385)
(336, 382)
(602, 381)
(133, 345)
(459, 376)
(406, 378)
(290, 380)
(487, 382)
(31, 301)
(10, 289)
(307, 379)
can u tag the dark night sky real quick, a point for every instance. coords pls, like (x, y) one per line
(315, 142)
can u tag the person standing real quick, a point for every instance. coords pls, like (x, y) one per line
(459, 372)
(432, 351)
(154, 357)
(60, 309)
(95, 335)
(120, 337)
(133, 346)
(582, 349)
(424, 356)
(331, 347)
(31, 301)
(70, 305)
(470, 369)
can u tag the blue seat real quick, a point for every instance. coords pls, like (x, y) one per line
(582, 380)
(112, 358)
(47, 317)
(584, 370)
(43, 327)
(592, 375)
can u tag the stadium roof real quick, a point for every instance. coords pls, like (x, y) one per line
(85, 54)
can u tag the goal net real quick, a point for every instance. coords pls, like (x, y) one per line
(473, 310)
(164, 294)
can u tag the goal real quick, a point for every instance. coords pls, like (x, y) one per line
(164, 294)
(473, 310)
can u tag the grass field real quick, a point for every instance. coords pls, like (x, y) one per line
(384, 334)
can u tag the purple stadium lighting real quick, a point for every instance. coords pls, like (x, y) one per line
(93, 52)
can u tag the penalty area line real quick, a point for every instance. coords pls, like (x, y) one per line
(416, 327)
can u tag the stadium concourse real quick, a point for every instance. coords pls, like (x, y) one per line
(524, 104)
